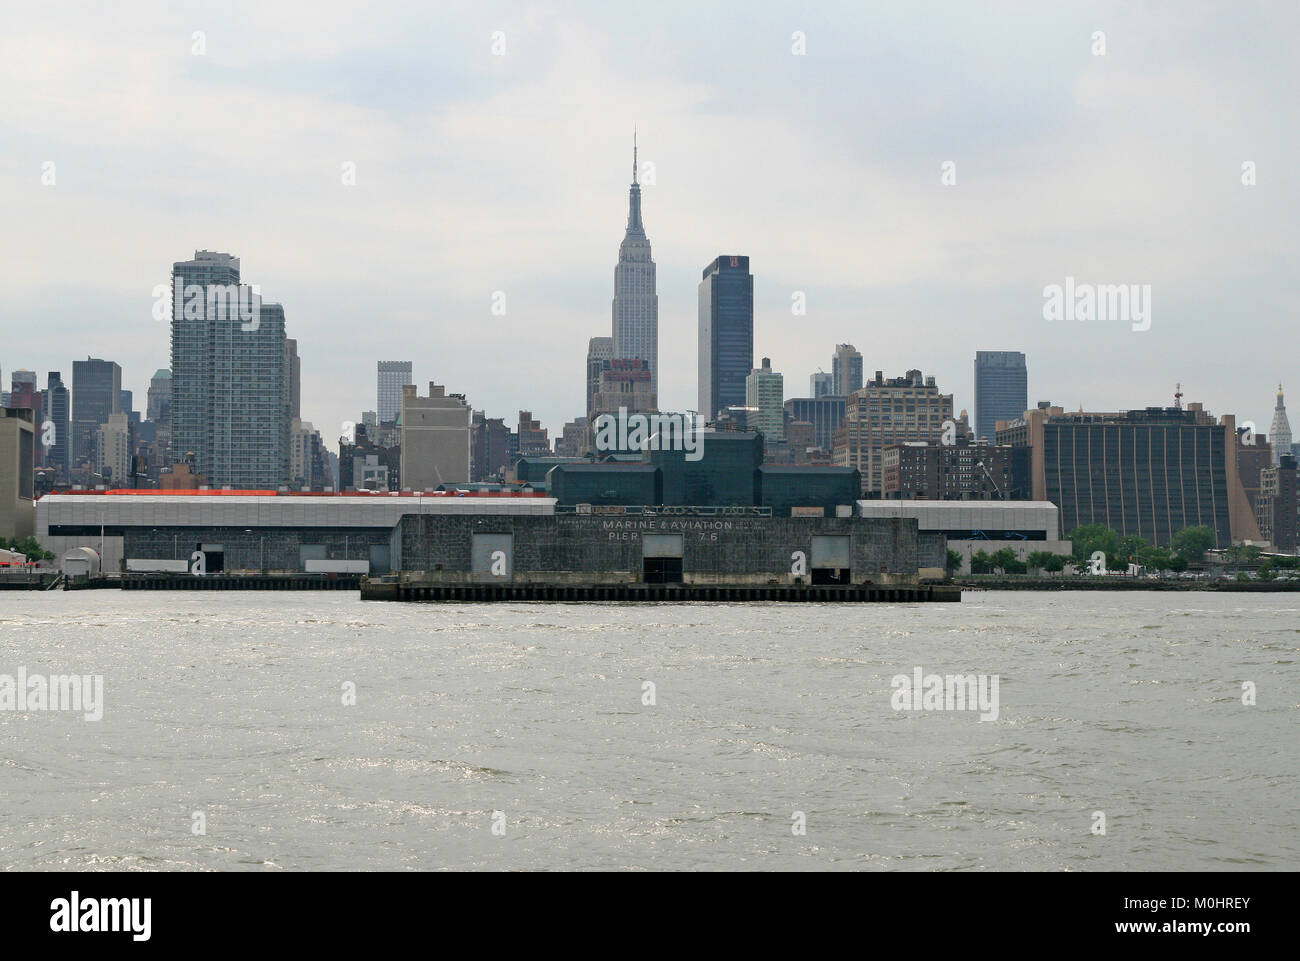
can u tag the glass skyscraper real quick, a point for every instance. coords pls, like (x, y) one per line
(636, 303)
(1001, 390)
(726, 347)
(393, 376)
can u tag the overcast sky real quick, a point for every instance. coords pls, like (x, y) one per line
(478, 172)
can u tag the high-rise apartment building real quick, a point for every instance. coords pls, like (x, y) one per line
(113, 450)
(846, 370)
(765, 394)
(96, 396)
(435, 438)
(885, 412)
(393, 376)
(636, 303)
(1001, 390)
(230, 392)
(294, 367)
(726, 334)
(1150, 473)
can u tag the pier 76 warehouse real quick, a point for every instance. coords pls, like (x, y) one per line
(466, 538)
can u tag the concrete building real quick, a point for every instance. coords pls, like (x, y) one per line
(1001, 390)
(967, 527)
(846, 370)
(393, 375)
(17, 472)
(626, 384)
(726, 333)
(765, 391)
(1150, 473)
(96, 396)
(635, 307)
(435, 438)
(886, 412)
(533, 439)
(113, 450)
(955, 472)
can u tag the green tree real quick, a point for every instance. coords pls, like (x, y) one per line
(1130, 551)
(1089, 538)
(1038, 560)
(954, 560)
(29, 546)
(1191, 543)
(980, 562)
(1007, 560)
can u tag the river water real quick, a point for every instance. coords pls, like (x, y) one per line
(520, 737)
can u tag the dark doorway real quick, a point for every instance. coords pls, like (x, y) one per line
(662, 570)
(830, 575)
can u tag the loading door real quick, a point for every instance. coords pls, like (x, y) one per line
(661, 558)
(492, 558)
(830, 559)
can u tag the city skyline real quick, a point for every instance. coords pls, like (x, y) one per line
(888, 265)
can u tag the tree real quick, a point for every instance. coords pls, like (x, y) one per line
(1191, 543)
(980, 562)
(28, 546)
(1130, 551)
(954, 560)
(1090, 538)
(1007, 560)
(1038, 560)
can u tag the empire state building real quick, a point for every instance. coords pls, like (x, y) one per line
(636, 304)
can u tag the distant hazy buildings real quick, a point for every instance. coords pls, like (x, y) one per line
(726, 334)
(765, 393)
(393, 376)
(294, 368)
(58, 412)
(230, 403)
(624, 383)
(113, 450)
(885, 412)
(846, 370)
(636, 303)
(436, 434)
(824, 413)
(820, 384)
(1150, 473)
(96, 396)
(1001, 390)
(158, 401)
(1280, 433)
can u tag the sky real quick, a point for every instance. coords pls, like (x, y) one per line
(492, 147)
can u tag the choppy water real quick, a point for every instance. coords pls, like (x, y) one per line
(230, 705)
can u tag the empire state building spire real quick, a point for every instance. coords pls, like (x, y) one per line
(636, 302)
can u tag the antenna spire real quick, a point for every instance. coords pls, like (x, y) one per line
(634, 155)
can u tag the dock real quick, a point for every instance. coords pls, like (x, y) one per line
(392, 590)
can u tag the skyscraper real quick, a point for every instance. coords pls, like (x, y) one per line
(726, 345)
(230, 377)
(846, 370)
(96, 396)
(1279, 434)
(1001, 390)
(599, 350)
(821, 384)
(885, 412)
(765, 392)
(636, 304)
(58, 409)
(393, 376)
(159, 399)
(295, 378)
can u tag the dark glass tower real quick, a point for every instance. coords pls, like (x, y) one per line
(1001, 390)
(726, 348)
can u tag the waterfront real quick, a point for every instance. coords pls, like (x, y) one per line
(230, 705)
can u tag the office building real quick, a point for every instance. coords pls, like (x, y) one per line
(17, 472)
(821, 384)
(294, 368)
(636, 303)
(825, 413)
(886, 412)
(1001, 390)
(846, 370)
(113, 450)
(533, 439)
(58, 413)
(726, 334)
(624, 383)
(765, 393)
(1280, 433)
(599, 350)
(435, 435)
(392, 377)
(955, 472)
(96, 396)
(158, 401)
(1150, 473)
